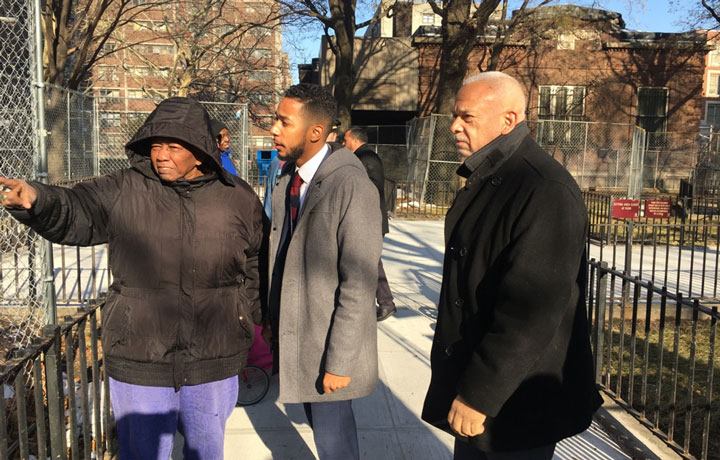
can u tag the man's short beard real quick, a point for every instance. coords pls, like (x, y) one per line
(292, 154)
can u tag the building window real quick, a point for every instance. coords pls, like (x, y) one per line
(260, 31)
(107, 73)
(714, 56)
(428, 18)
(561, 102)
(161, 49)
(261, 53)
(712, 115)
(135, 93)
(259, 75)
(652, 109)
(110, 118)
(109, 93)
(561, 108)
(712, 84)
(260, 99)
(652, 115)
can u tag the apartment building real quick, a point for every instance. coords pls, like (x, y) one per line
(192, 48)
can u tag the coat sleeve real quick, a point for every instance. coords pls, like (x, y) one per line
(256, 262)
(538, 285)
(77, 216)
(359, 245)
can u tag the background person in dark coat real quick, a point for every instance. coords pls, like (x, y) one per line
(185, 238)
(512, 370)
(355, 139)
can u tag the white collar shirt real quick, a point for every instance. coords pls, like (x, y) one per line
(308, 170)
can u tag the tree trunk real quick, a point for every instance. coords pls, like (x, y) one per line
(343, 13)
(459, 29)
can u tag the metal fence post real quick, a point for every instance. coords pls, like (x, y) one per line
(96, 137)
(599, 327)
(55, 397)
(630, 228)
(42, 164)
(433, 121)
(582, 175)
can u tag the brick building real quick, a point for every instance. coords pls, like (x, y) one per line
(589, 82)
(230, 55)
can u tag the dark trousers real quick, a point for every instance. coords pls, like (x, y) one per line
(382, 293)
(464, 451)
(334, 430)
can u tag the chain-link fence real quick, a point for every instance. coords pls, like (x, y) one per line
(432, 164)
(599, 155)
(22, 302)
(88, 133)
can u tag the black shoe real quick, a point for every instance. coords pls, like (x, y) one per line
(385, 313)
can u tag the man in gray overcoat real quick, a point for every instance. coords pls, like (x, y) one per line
(325, 241)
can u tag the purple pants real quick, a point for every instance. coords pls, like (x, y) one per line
(147, 418)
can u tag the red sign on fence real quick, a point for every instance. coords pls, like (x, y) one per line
(657, 209)
(625, 209)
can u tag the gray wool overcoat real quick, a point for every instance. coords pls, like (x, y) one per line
(327, 288)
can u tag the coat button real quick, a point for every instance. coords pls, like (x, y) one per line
(449, 350)
(496, 181)
(459, 302)
(463, 252)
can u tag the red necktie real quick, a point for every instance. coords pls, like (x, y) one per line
(295, 197)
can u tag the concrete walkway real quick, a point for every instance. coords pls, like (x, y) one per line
(389, 422)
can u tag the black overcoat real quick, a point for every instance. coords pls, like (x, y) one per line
(374, 167)
(511, 336)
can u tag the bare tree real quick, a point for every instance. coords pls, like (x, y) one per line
(712, 7)
(221, 50)
(338, 19)
(75, 32)
(462, 22)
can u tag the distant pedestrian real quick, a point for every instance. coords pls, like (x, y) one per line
(512, 371)
(185, 238)
(356, 139)
(332, 139)
(222, 136)
(324, 246)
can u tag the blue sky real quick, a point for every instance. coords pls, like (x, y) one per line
(648, 15)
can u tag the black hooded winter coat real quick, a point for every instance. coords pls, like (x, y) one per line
(183, 255)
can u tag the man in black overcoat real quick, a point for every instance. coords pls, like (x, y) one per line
(512, 370)
(356, 138)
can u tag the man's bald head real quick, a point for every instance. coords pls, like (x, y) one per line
(488, 105)
(504, 87)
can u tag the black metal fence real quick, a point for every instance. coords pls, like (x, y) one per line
(55, 400)
(655, 355)
(684, 209)
(684, 257)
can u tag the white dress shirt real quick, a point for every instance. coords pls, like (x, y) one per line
(308, 170)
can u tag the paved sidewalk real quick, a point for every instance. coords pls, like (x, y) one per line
(389, 422)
